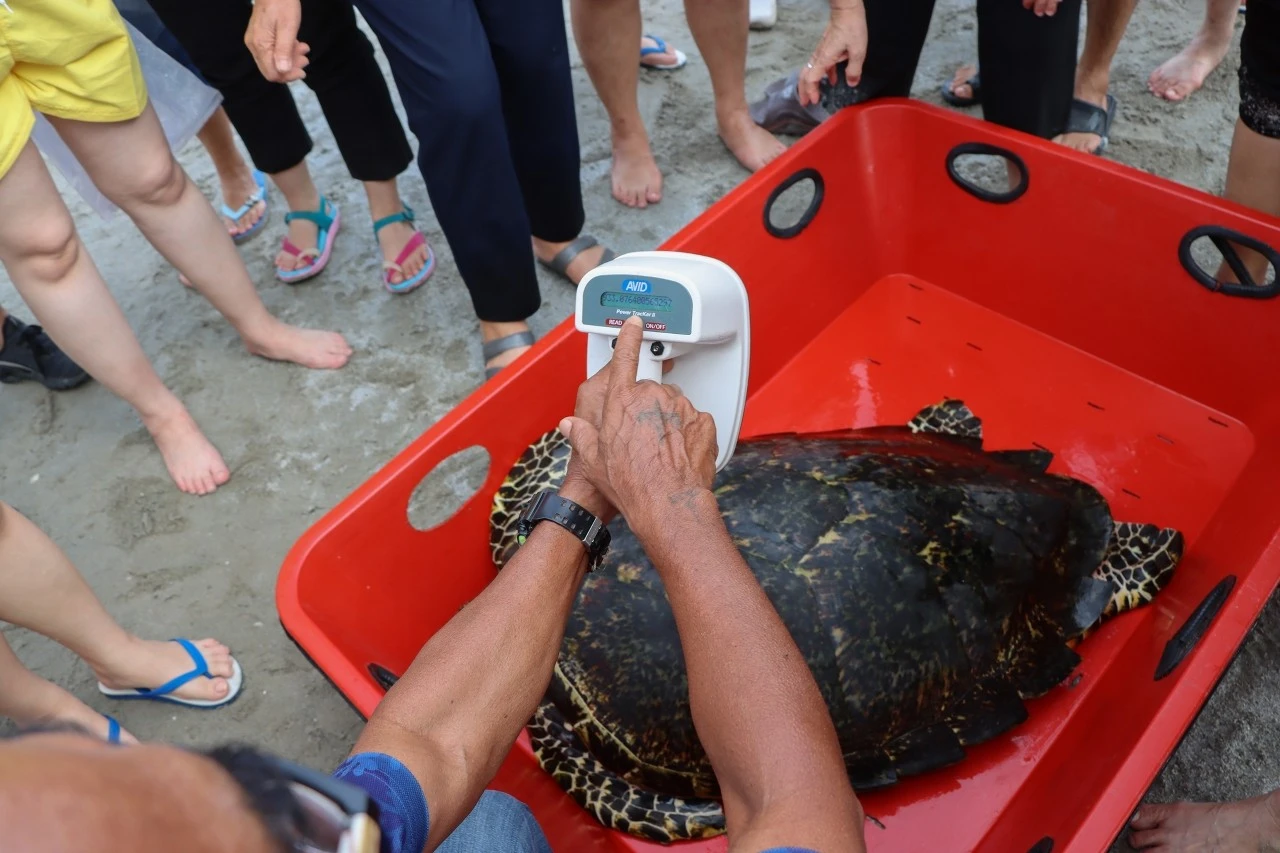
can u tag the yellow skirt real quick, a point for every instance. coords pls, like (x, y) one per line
(69, 59)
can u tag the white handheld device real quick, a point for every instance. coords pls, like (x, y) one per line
(695, 310)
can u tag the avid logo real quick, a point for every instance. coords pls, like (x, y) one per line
(632, 285)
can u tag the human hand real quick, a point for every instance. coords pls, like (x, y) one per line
(648, 447)
(844, 38)
(1041, 7)
(272, 38)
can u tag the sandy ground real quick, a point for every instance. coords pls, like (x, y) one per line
(168, 565)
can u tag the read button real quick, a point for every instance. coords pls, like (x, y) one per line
(613, 321)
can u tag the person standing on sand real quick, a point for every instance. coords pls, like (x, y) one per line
(1247, 826)
(1181, 75)
(40, 590)
(91, 90)
(487, 88)
(604, 29)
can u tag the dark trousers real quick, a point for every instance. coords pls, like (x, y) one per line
(1028, 64)
(488, 93)
(1260, 68)
(343, 73)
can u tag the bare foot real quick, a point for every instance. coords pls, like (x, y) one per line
(1249, 826)
(750, 143)
(308, 347)
(637, 181)
(1086, 142)
(669, 58)
(960, 85)
(150, 664)
(236, 190)
(303, 233)
(587, 260)
(193, 463)
(392, 239)
(1186, 72)
(44, 703)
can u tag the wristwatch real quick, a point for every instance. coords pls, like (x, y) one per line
(548, 506)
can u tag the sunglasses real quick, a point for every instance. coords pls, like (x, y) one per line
(337, 817)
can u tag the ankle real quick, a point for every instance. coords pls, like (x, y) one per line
(111, 660)
(305, 198)
(1093, 86)
(730, 112)
(492, 331)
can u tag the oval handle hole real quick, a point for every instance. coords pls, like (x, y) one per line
(1209, 250)
(988, 172)
(793, 204)
(447, 487)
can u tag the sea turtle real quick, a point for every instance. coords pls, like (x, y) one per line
(932, 586)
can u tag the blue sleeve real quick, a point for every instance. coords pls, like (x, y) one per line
(402, 807)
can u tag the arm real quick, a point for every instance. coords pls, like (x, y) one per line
(755, 704)
(454, 715)
(844, 38)
(272, 38)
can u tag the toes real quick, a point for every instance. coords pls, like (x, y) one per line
(654, 196)
(1147, 839)
(1149, 816)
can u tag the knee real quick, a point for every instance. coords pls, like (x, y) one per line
(159, 183)
(48, 248)
(498, 815)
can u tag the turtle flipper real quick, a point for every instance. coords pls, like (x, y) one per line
(609, 798)
(1140, 560)
(950, 417)
(541, 466)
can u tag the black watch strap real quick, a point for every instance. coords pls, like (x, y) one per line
(548, 506)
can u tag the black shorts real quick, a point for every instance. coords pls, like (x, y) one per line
(1260, 68)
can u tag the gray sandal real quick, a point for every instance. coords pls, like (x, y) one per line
(560, 263)
(1091, 118)
(498, 346)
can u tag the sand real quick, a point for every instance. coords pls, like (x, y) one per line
(168, 565)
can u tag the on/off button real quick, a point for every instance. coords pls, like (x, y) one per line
(655, 327)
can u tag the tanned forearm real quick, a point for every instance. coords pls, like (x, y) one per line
(755, 704)
(458, 709)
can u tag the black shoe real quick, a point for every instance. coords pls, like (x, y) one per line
(28, 354)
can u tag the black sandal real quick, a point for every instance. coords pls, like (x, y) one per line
(498, 346)
(1091, 118)
(975, 84)
(560, 263)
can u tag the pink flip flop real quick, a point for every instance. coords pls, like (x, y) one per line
(416, 241)
(328, 220)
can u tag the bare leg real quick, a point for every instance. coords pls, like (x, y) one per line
(1249, 826)
(29, 700)
(384, 200)
(55, 275)
(720, 29)
(234, 173)
(1253, 179)
(1186, 72)
(606, 32)
(130, 162)
(1107, 20)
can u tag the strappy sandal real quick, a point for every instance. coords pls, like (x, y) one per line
(560, 263)
(328, 220)
(257, 196)
(406, 284)
(498, 346)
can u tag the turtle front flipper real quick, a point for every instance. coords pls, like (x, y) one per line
(950, 417)
(1139, 562)
(542, 466)
(612, 800)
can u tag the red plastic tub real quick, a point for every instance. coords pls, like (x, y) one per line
(1064, 317)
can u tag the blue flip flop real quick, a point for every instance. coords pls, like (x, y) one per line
(681, 59)
(113, 730)
(258, 195)
(201, 669)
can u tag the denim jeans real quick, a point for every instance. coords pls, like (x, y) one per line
(498, 824)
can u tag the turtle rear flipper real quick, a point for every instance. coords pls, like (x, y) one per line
(949, 417)
(991, 708)
(611, 799)
(924, 749)
(1139, 562)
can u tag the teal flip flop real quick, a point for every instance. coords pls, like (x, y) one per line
(258, 195)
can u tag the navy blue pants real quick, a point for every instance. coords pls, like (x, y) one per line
(488, 93)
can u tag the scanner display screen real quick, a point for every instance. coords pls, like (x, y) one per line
(635, 301)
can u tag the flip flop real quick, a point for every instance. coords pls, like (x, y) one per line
(201, 668)
(1091, 118)
(560, 263)
(388, 267)
(498, 346)
(681, 59)
(328, 219)
(949, 94)
(113, 730)
(258, 195)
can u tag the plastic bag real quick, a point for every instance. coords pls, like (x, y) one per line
(181, 101)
